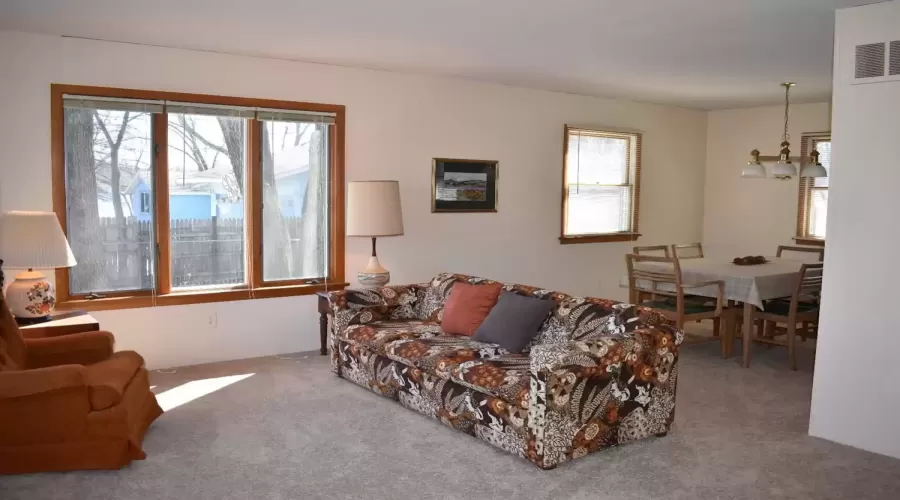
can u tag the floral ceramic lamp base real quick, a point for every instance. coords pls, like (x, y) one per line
(373, 276)
(31, 296)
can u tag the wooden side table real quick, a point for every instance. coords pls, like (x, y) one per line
(63, 323)
(324, 313)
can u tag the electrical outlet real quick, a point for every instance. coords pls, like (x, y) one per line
(623, 282)
(213, 320)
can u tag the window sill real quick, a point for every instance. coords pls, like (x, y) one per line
(805, 240)
(184, 298)
(598, 238)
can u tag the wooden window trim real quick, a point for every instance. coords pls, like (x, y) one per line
(804, 198)
(636, 146)
(165, 296)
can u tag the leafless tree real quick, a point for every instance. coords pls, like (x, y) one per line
(83, 216)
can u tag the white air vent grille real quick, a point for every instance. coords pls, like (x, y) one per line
(895, 59)
(870, 60)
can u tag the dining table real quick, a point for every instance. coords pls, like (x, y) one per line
(750, 285)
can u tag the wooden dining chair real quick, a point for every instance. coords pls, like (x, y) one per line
(653, 250)
(688, 251)
(662, 281)
(803, 307)
(811, 254)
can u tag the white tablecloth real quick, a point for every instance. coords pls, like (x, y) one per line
(748, 284)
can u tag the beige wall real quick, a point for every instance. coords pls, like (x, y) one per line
(752, 216)
(395, 125)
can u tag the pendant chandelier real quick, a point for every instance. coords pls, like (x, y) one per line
(784, 167)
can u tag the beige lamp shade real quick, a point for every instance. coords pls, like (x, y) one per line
(33, 240)
(373, 209)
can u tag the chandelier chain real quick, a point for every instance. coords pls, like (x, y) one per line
(787, 107)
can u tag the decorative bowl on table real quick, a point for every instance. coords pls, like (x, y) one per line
(750, 260)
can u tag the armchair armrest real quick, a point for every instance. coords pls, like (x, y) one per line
(18, 383)
(42, 405)
(78, 348)
(606, 390)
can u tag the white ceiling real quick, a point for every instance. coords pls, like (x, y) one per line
(696, 53)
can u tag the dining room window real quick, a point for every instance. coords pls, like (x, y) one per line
(812, 202)
(601, 185)
(170, 198)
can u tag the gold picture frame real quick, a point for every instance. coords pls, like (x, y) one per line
(460, 185)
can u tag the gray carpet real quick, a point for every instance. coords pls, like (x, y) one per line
(295, 431)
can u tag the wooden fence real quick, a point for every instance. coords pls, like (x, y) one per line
(204, 252)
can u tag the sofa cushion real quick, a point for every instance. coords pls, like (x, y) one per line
(108, 379)
(439, 355)
(376, 335)
(468, 306)
(505, 377)
(514, 321)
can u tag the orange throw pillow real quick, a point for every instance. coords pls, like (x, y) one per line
(467, 306)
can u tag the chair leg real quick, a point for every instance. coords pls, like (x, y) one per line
(791, 340)
(716, 324)
(804, 331)
(769, 332)
(724, 336)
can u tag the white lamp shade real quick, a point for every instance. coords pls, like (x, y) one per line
(753, 170)
(784, 170)
(373, 208)
(813, 170)
(33, 240)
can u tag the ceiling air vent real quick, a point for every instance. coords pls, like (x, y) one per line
(870, 60)
(895, 59)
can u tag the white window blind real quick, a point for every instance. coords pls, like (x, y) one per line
(112, 104)
(600, 174)
(818, 192)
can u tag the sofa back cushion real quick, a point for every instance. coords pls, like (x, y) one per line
(572, 318)
(514, 321)
(467, 306)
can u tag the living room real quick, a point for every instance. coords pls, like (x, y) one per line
(251, 407)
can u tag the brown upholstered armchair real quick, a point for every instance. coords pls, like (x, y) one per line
(70, 402)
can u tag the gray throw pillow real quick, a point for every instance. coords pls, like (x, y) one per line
(514, 321)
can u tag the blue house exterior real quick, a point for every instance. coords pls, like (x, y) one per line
(200, 205)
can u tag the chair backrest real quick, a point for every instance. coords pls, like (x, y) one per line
(13, 352)
(806, 254)
(647, 272)
(653, 250)
(688, 251)
(809, 283)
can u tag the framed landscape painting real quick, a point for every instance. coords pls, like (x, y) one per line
(464, 185)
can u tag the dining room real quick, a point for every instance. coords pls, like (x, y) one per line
(744, 303)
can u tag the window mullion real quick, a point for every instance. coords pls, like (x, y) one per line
(161, 191)
(253, 202)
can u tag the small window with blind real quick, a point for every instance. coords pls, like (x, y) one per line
(171, 198)
(601, 186)
(812, 204)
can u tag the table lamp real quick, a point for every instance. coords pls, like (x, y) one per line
(32, 240)
(373, 210)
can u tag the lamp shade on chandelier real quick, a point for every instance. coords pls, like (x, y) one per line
(784, 164)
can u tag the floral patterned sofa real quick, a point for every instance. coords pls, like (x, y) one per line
(598, 374)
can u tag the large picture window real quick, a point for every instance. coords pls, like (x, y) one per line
(812, 201)
(171, 198)
(601, 186)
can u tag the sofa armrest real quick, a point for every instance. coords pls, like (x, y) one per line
(393, 296)
(354, 306)
(78, 348)
(602, 391)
